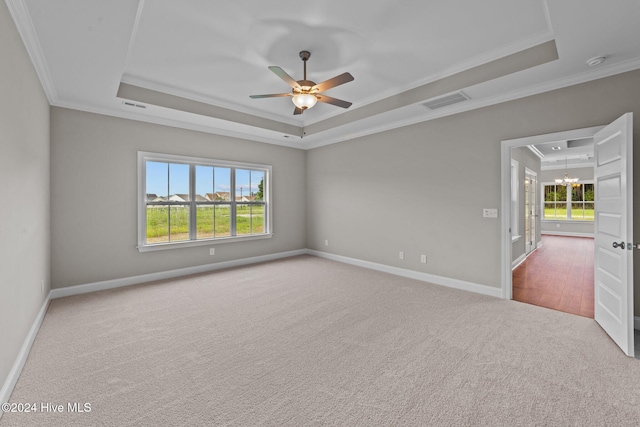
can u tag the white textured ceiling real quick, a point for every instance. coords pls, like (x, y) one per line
(217, 53)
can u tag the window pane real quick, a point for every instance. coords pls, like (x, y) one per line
(179, 223)
(257, 185)
(157, 224)
(577, 211)
(204, 222)
(222, 220)
(157, 181)
(549, 211)
(257, 219)
(588, 193)
(577, 193)
(213, 221)
(555, 211)
(555, 193)
(222, 185)
(582, 211)
(589, 211)
(249, 219)
(204, 183)
(243, 185)
(243, 219)
(178, 183)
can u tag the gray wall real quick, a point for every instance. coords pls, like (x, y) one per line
(24, 174)
(94, 196)
(421, 188)
(526, 159)
(567, 227)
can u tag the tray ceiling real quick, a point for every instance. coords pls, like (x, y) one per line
(194, 63)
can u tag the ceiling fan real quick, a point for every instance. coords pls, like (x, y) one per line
(306, 93)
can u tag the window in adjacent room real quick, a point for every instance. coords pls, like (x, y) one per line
(574, 202)
(186, 201)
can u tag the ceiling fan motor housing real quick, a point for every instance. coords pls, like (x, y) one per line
(305, 93)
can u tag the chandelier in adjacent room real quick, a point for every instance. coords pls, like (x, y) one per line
(566, 180)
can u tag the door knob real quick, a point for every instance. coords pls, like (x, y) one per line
(620, 245)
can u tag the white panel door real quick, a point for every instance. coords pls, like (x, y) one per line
(613, 264)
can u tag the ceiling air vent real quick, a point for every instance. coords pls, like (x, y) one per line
(443, 101)
(131, 104)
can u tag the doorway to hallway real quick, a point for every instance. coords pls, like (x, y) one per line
(559, 275)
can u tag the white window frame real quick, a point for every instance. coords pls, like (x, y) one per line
(145, 156)
(568, 202)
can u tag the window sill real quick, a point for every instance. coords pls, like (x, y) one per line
(515, 238)
(195, 243)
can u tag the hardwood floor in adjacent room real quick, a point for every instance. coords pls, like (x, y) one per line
(558, 275)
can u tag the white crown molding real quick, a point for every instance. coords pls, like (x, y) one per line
(535, 151)
(183, 93)
(181, 124)
(570, 166)
(20, 14)
(599, 73)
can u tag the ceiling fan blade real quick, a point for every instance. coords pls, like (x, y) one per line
(336, 81)
(333, 101)
(284, 76)
(271, 95)
(298, 111)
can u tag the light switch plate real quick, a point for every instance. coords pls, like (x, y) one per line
(489, 213)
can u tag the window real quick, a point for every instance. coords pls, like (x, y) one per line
(574, 202)
(187, 201)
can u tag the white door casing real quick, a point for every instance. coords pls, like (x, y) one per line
(531, 209)
(505, 176)
(613, 261)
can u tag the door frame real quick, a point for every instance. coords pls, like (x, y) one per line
(532, 212)
(505, 189)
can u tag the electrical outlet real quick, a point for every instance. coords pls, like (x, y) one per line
(212, 251)
(326, 243)
(401, 255)
(423, 259)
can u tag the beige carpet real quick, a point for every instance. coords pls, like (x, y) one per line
(308, 342)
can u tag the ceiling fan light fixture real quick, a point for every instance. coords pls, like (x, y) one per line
(304, 101)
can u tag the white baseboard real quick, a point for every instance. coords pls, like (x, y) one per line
(16, 369)
(518, 261)
(151, 277)
(425, 277)
(567, 233)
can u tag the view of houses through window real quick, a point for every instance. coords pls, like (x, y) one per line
(191, 201)
(569, 202)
